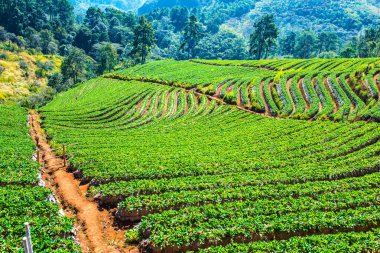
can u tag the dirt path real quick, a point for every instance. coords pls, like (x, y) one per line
(230, 87)
(94, 228)
(249, 94)
(166, 104)
(219, 89)
(288, 84)
(186, 102)
(239, 99)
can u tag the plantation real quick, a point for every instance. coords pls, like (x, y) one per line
(300, 89)
(21, 199)
(188, 152)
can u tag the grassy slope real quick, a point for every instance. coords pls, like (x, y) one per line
(16, 82)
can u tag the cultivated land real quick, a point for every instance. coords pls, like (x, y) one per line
(22, 197)
(300, 89)
(209, 154)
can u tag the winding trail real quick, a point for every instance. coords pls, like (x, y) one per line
(288, 84)
(95, 230)
(239, 98)
(218, 92)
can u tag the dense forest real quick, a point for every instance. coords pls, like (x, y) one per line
(103, 38)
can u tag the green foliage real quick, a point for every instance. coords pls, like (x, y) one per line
(143, 41)
(76, 67)
(191, 36)
(263, 37)
(108, 58)
(21, 200)
(142, 147)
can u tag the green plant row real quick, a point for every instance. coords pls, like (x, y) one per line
(21, 200)
(353, 242)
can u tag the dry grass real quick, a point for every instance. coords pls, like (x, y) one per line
(16, 82)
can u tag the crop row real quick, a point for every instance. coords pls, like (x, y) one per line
(283, 92)
(21, 200)
(198, 173)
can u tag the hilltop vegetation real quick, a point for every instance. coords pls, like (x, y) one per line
(306, 29)
(126, 5)
(23, 73)
(346, 18)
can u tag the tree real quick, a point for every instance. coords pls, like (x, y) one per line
(179, 17)
(223, 45)
(369, 43)
(306, 45)
(288, 43)
(192, 35)
(108, 58)
(77, 66)
(143, 40)
(327, 41)
(263, 37)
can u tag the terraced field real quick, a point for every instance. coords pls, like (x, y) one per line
(22, 198)
(194, 173)
(301, 89)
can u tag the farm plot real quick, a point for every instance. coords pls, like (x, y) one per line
(335, 89)
(193, 173)
(21, 199)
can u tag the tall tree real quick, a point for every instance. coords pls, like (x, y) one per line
(192, 35)
(369, 43)
(77, 66)
(288, 43)
(143, 40)
(306, 45)
(327, 41)
(263, 37)
(179, 16)
(108, 58)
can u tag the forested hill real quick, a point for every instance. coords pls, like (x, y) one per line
(126, 5)
(344, 17)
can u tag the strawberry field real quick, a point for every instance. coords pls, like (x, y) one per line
(187, 155)
(299, 89)
(21, 197)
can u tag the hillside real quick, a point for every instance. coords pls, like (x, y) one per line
(346, 18)
(23, 73)
(170, 147)
(299, 89)
(126, 5)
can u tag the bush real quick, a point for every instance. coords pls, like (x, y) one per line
(23, 65)
(9, 46)
(38, 99)
(3, 96)
(328, 55)
(132, 236)
(3, 56)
